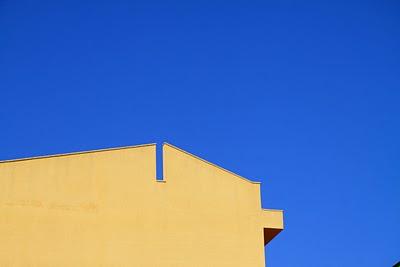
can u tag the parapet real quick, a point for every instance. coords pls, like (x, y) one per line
(106, 208)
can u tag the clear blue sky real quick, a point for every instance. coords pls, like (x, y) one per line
(303, 96)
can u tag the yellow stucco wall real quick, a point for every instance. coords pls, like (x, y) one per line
(105, 208)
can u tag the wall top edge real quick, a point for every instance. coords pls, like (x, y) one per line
(76, 153)
(210, 163)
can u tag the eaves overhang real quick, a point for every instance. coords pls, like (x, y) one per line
(272, 221)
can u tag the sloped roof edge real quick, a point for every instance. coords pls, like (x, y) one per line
(76, 153)
(127, 147)
(212, 164)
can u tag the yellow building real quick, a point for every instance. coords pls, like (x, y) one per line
(106, 208)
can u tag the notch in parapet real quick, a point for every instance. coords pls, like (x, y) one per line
(159, 163)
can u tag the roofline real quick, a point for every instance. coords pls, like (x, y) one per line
(127, 147)
(76, 153)
(273, 210)
(210, 163)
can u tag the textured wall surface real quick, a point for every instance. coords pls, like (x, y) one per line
(106, 208)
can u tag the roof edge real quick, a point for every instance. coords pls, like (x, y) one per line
(76, 153)
(273, 210)
(212, 164)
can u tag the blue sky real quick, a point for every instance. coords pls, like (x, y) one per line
(300, 95)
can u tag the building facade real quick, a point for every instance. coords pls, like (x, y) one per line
(106, 208)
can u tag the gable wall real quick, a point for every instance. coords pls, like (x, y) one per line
(107, 209)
